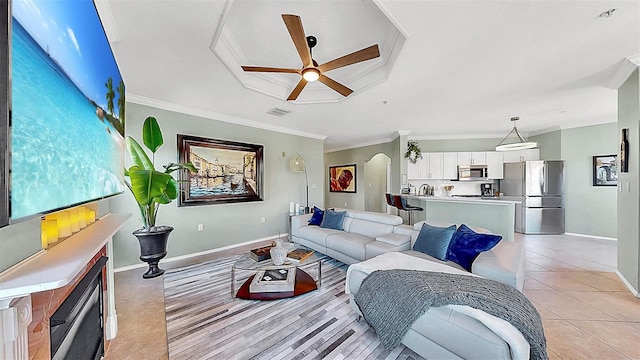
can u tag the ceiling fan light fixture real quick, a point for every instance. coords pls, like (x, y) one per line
(519, 144)
(311, 74)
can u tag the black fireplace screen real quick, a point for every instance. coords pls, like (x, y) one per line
(77, 327)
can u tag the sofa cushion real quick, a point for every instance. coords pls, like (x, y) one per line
(424, 256)
(317, 216)
(348, 243)
(434, 240)
(467, 244)
(394, 239)
(333, 219)
(368, 228)
(375, 217)
(376, 248)
(316, 234)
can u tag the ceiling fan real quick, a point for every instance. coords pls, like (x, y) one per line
(311, 71)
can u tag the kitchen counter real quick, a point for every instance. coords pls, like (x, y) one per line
(495, 214)
(503, 199)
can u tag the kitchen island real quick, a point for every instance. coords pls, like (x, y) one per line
(495, 214)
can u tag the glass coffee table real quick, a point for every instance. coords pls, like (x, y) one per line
(308, 276)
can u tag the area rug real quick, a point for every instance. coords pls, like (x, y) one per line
(205, 322)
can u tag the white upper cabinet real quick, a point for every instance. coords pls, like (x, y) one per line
(449, 165)
(495, 162)
(472, 158)
(428, 167)
(521, 155)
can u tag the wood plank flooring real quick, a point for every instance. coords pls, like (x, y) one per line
(205, 322)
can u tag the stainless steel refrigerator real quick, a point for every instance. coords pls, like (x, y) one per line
(540, 186)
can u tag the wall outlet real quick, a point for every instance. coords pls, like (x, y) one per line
(345, 204)
(264, 219)
(200, 227)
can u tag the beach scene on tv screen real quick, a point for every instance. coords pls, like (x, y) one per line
(67, 109)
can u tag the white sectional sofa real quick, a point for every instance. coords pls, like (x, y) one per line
(442, 332)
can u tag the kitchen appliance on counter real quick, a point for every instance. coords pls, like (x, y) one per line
(487, 189)
(540, 185)
(472, 172)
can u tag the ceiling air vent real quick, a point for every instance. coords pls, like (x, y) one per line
(278, 112)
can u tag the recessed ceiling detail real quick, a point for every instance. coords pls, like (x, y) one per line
(253, 34)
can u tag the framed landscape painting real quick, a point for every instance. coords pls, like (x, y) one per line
(605, 172)
(227, 171)
(342, 178)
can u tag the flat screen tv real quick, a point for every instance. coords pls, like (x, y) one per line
(64, 132)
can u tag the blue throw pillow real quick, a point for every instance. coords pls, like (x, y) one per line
(316, 218)
(434, 241)
(333, 219)
(467, 244)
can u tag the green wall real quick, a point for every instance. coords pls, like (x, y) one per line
(629, 186)
(445, 145)
(358, 156)
(224, 224)
(590, 210)
(550, 145)
(18, 242)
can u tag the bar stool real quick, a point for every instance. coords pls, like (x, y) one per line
(401, 204)
(390, 200)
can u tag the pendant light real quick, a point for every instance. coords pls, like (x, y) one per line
(515, 141)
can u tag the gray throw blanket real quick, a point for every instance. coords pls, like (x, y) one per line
(392, 300)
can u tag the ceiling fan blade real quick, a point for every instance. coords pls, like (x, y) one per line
(369, 53)
(294, 94)
(294, 25)
(345, 91)
(270, 69)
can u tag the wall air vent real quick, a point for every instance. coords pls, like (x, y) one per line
(278, 112)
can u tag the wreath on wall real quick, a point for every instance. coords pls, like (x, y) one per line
(413, 152)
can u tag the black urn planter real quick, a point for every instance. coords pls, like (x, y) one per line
(153, 247)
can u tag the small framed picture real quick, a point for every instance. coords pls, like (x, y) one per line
(342, 178)
(605, 172)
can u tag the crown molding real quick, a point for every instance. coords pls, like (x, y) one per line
(355, 146)
(623, 72)
(142, 100)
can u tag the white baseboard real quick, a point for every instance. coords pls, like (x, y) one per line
(206, 252)
(592, 236)
(111, 326)
(628, 284)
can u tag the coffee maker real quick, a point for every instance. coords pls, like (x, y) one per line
(487, 189)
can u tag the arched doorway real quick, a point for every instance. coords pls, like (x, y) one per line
(376, 174)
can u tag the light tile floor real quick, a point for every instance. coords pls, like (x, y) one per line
(586, 310)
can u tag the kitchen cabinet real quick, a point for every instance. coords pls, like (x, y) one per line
(495, 162)
(428, 167)
(472, 158)
(449, 165)
(521, 155)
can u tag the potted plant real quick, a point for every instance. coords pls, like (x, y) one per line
(151, 188)
(413, 152)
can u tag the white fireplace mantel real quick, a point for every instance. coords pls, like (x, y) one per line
(58, 266)
(49, 270)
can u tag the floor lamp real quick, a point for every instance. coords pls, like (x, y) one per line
(297, 165)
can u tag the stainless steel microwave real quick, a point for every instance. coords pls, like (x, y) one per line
(472, 172)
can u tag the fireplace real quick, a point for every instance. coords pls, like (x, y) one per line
(77, 327)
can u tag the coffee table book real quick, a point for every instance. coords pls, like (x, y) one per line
(273, 280)
(261, 254)
(299, 255)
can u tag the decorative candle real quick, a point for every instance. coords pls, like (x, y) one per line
(91, 216)
(292, 207)
(50, 228)
(43, 237)
(297, 208)
(82, 217)
(75, 222)
(64, 223)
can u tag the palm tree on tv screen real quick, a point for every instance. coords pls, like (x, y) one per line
(121, 101)
(110, 95)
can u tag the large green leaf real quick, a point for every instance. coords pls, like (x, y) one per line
(138, 156)
(151, 134)
(148, 185)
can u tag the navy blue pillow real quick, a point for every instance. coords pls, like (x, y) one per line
(333, 219)
(467, 244)
(316, 218)
(434, 241)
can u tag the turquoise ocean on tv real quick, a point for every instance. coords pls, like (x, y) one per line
(62, 153)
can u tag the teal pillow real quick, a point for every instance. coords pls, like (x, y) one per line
(333, 219)
(467, 244)
(434, 241)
